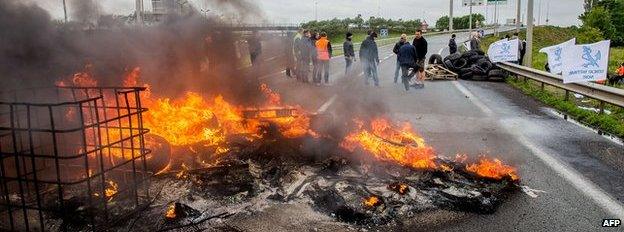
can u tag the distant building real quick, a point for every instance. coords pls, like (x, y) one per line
(424, 26)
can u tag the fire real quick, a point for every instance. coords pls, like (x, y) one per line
(171, 212)
(372, 202)
(493, 169)
(111, 190)
(400, 188)
(394, 143)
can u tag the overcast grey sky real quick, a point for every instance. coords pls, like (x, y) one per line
(560, 12)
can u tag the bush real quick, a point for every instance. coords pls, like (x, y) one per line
(587, 34)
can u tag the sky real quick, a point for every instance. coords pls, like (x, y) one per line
(560, 12)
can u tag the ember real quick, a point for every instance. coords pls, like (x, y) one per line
(372, 202)
(400, 188)
(171, 212)
(111, 190)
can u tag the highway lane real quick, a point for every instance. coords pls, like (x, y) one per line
(579, 171)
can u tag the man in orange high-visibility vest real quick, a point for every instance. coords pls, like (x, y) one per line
(324, 53)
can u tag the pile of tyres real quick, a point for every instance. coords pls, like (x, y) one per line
(470, 65)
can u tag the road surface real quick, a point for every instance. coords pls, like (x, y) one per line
(578, 173)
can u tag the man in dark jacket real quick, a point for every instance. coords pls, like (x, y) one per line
(369, 55)
(396, 48)
(407, 59)
(307, 52)
(349, 52)
(420, 43)
(255, 47)
(452, 44)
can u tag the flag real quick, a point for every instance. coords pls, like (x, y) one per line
(587, 62)
(504, 50)
(555, 55)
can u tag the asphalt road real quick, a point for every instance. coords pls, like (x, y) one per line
(580, 172)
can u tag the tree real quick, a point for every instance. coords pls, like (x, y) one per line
(461, 22)
(606, 16)
(587, 34)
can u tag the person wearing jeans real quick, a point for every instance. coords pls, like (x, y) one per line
(397, 46)
(408, 60)
(349, 53)
(324, 53)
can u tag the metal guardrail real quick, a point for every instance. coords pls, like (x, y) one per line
(604, 94)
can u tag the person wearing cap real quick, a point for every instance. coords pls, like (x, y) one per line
(369, 55)
(397, 46)
(349, 52)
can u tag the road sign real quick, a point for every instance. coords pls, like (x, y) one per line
(383, 32)
(497, 2)
(474, 2)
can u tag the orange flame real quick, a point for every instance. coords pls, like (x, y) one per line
(394, 143)
(111, 190)
(493, 169)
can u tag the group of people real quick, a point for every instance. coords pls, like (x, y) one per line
(411, 60)
(310, 49)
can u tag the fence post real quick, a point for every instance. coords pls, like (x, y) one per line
(602, 107)
(567, 95)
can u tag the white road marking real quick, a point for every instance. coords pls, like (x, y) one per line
(327, 104)
(473, 99)
(576, 179)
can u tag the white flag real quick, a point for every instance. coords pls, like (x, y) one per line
(504, 50)
(587, 62)
(555, 55)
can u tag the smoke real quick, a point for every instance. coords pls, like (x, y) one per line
(84, 11)
(185, 53)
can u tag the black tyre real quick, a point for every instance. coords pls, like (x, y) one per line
(453, 57)
(460, 63)
(465, 73)
(480, 52)
(496, 73)
(449, 65)
(476, 70)
(485, 65)
(480, 77)
(469, 54)
(474, 59)
(435, 59)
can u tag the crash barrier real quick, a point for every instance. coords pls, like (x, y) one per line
(601, 93)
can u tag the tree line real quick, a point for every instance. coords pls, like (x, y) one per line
(338, 27)
(604, 19)
(462, 22)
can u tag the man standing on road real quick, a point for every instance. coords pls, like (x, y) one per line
(396, 48)
(324, 53)
(452, 45)
(255, 47)
(420, 43)
(293, 54)
(369, 55)
(475, 42)
(305, 56)
(407, 58)
(349, 52)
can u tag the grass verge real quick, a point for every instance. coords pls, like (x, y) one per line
(609, 123)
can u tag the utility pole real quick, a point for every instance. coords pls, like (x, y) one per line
(528, 57)
(547, 13)
(451, 17)
(518, 15)
(65, 10)
(316, 10)
(470, 18)
(496, 18)
(139, 12)
(539, 12)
